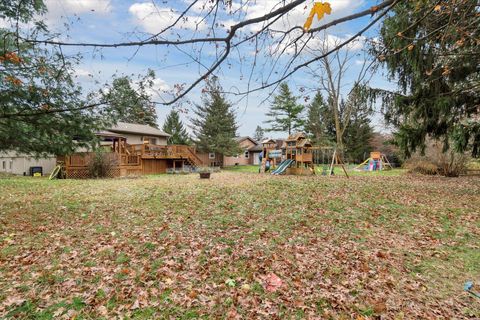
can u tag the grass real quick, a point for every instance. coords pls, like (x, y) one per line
(172, 246)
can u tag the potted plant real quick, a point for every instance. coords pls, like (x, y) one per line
(204, 173)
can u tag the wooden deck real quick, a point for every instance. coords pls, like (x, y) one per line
(127, 160)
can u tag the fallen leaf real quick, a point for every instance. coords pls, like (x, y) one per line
(102, 310)
(272, 282)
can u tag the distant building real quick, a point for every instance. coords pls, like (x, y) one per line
(20, 163)
(251, 150)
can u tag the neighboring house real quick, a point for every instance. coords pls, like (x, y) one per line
(251, 150)
(20, 164)
(133, 149)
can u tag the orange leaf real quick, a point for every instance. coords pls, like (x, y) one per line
(319, 9)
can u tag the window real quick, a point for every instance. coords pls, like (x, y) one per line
(246, 154)
(211, 155)
(149, 140)
(10, 164)
(4, 164)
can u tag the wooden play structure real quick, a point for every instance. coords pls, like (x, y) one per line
(376, 162)
(298, 156)
(270, 155)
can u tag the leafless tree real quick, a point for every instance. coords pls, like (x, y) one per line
(342, 95)
(196, 31)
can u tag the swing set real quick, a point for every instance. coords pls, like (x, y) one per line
(329, 158)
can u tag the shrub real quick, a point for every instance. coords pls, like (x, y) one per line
(421, 166)
(436, 161)
(101, 164)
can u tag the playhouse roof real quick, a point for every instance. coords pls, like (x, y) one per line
(296, 136)
(304, 143)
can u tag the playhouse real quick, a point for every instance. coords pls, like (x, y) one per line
(294, 157)
(298, 152)
(376, 162)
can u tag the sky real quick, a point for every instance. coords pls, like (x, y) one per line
(111, 21)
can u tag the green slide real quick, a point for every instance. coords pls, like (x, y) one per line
(283, 166)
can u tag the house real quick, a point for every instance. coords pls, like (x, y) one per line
(251, 150)
(132, 149)
(20, 163)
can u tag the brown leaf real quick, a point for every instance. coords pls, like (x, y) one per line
(135, 305)
(102, 310)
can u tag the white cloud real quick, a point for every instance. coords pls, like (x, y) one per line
(82, 73)
(321, 43)
(203, 6)
(227, 24)
(153, 18)
(57, 8)
(297, 16)
(159, 88)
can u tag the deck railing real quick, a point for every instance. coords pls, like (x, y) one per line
(169, 152)
(83, 159)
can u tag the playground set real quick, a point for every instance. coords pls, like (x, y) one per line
(376, 162)
(299, 157)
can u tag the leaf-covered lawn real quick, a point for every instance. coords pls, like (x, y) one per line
(239, 246)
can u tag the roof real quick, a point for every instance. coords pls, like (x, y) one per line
(296, 136)
(106, 133)
(304, 143)
(268, 141)
(241, 139)
(256, 148)
(124, 127)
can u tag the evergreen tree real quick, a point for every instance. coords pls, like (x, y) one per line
(259, 134)
(43, 111)
(285, 112)
(135, 101)
(431, 50)
(358, 135)
(215, 126)
(319, 124)
(174, 126)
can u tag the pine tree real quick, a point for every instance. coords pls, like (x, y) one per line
(259, 134)
(285, 112)
(135, 101)
(174, 126)
(43, 109)
(319, 122)
(358, 135)
(431, 50)
(215, 125)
